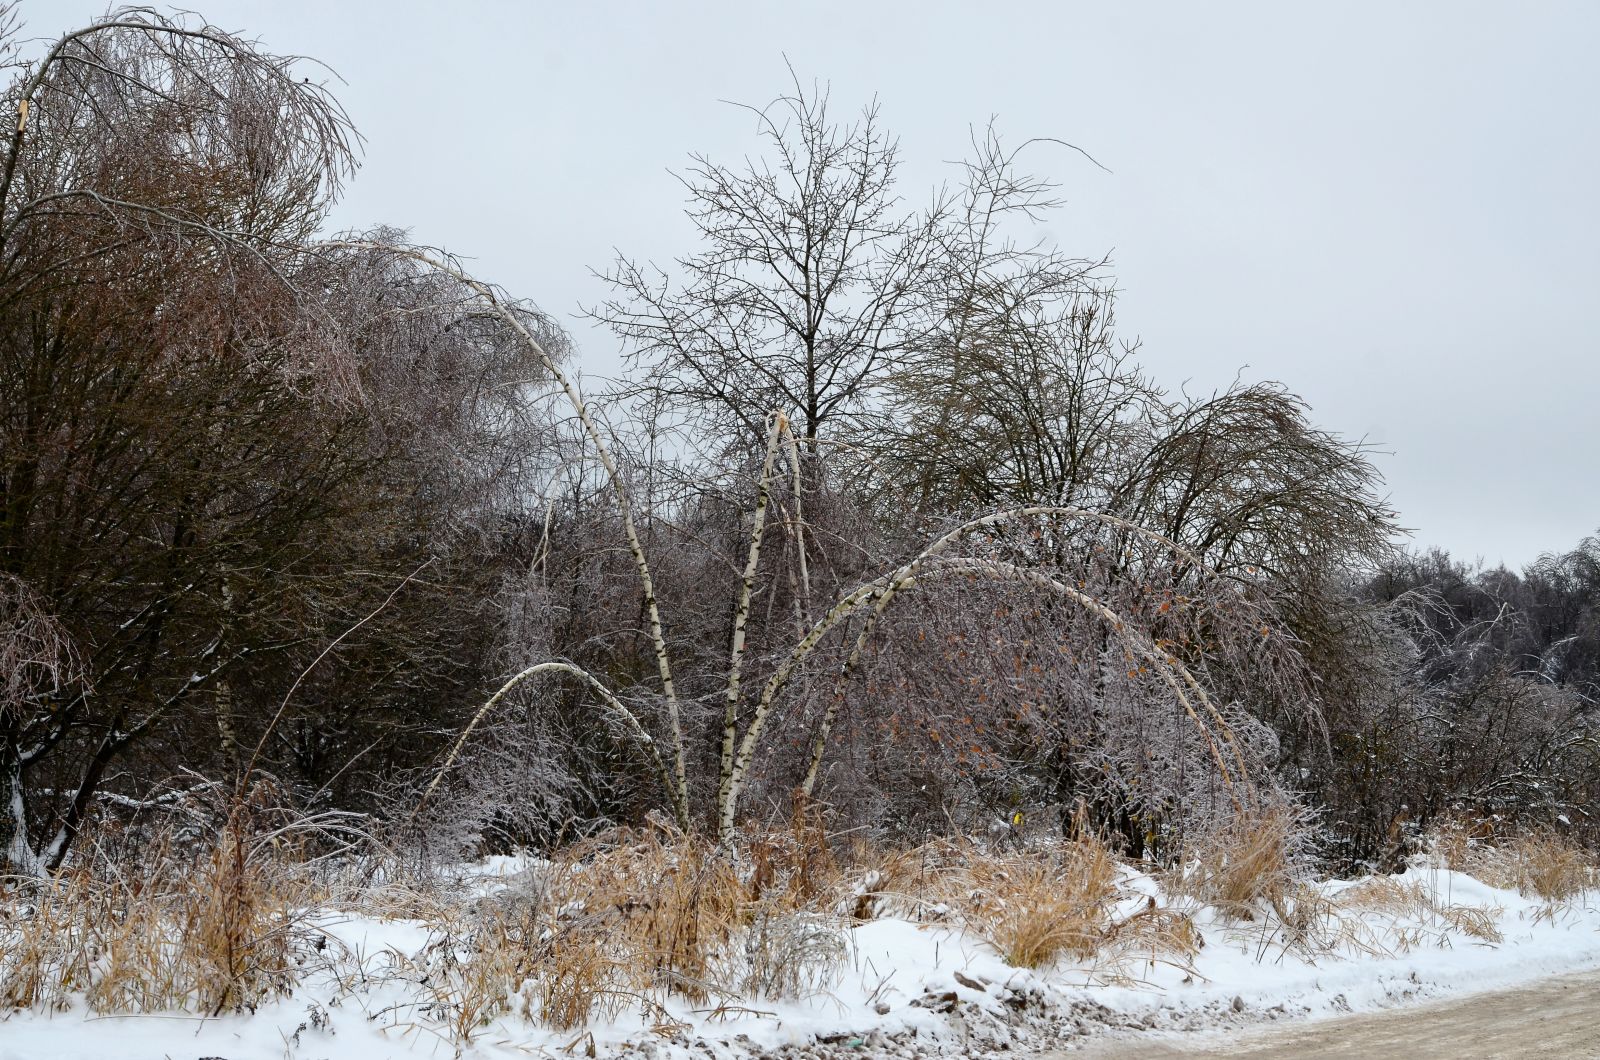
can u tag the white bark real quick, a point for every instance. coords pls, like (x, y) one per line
(741, 611)
(18, 854)
(634, 726)
(798, 524)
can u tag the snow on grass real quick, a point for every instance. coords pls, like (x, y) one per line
(371, 988)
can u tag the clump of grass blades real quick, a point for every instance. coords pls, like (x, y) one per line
(784, 952)
(797, 865)
(632, 915)
(1245, 868)
(210, 927)
(1386, 895)
(1542, 865)
(1412, 899)
(1034, 907)
(1152, 934)
(1450, 844)
(671, 927)
(579, 978)
(902, 881)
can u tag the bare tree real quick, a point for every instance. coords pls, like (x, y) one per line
(811, 280)
(38, 663)
(1037, 403)
(814, 291)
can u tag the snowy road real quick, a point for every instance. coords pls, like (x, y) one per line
(1557, 1017)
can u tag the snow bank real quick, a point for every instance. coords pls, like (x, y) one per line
(906, 988)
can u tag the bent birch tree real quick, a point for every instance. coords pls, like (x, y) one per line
(740, 743)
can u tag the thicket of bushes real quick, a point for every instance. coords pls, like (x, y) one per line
(273, 501)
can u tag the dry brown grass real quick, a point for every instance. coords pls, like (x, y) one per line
(579, 979)
(466, 976)
(211, 929)
(1450, 843)
(1244, 869)
(1036, 907)
(1386, 895)
(709, 926)
(1539, 865)
(901, 881)
(798, 863)
(631, 916)
(1153, 934)
(669, 903)
(623, 920)
(1553, 868)
(626, 920)
(785, 952)
(1413, 900)
(1475, 921)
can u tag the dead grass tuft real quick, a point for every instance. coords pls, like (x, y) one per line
(629, 919)
(1553, 868)
(1540, 864)
(1450, 843)
(209, 928)
(1414, 901)
(1474, 921)
(1036, 907)
(1244, 869)
(1155, 934)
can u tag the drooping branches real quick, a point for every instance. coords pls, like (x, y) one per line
(217, 451)
(227, 439)
(1187, 689)
(133, 107)
(636, 730)
(487, 299)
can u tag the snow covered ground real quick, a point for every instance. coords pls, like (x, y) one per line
(906, 988)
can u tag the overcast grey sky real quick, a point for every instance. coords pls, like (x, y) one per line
(1394, 209)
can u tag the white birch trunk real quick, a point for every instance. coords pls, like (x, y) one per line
(18, 853)
(741, 611)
